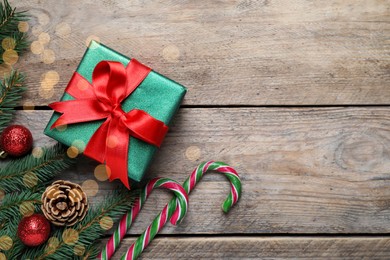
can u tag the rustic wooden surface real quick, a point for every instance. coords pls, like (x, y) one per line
(277, 88)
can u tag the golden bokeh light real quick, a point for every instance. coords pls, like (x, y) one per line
(43, 19)
(79, 250)
(193, 153)
(79, 144)
(63, 30)
(36, 30)
(37, 152)
(28, 106)
(171, 53)
(52, 77)
(30, 180)
(90, 187)
(8, 43)
(6, 242)
(36, 47)
(26, 208)
(91, 38)
(101, 172)
(10, 57)
(46, 93)
(5, 70)
(70, 236)
(51, 244)
(106, 223)
(23, 26)
(48, 56)
(2, 256)
(2, 194)
(82, 85)
(72, 152)
(44, 38)
(112, 141)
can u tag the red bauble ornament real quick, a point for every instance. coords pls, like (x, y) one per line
(16, 140)
(34, 230)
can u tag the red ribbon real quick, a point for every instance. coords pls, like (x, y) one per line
(111, 84)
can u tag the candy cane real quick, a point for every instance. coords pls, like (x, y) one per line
(129, 217)
(235, 192)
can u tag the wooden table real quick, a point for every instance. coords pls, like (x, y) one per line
(294, 94)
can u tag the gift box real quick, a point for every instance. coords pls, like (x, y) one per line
(111, 101)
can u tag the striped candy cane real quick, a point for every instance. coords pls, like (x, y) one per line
(129, 217)
(235, 192)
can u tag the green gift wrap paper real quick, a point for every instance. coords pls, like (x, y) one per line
(157, 95)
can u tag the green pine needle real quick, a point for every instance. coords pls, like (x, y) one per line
(13, 175)
(11, 90)
(89, 230)
(10, 230)
(9, 21)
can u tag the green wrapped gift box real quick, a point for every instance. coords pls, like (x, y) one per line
(157, 95)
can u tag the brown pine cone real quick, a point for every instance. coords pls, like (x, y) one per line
(64, 203)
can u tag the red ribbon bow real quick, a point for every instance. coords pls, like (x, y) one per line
(111, 84)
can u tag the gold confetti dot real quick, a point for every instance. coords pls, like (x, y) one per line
(8, 43)
(90, 38)
(30, 179)
(26, 208)
(72, 152)
(46, 85)
(36, 30)
(2, 194)
(51, 244)
(43, 19)
(44, 38)
(10, 57)
(63, 30)
(112, 141)
(171, 53)
(101, 173)
(2, 256)
(52, 77)
(79, 144)
(79, 250)
(37, 152)
(36, 47)
(106, 223)
(70, 236)
(23, 26)
(61, 128)
(5, 243)
(90, 187)
(48, 56)
(193, 153)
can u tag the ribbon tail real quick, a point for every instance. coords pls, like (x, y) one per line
(96, 147)
(76, 111)
(118, 140)
(145, 127)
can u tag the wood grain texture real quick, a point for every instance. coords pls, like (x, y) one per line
(264, 248)
(306, 170)
(233, 52)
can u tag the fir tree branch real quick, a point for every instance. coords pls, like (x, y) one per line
(10, 206)
(52, 161)
(88, 230)
(9, 21)
(11, 90)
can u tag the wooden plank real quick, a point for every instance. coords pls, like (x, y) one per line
(231, 52)
(264, 248)
(308, 170)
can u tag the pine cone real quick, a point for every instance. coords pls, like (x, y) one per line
(64, 203)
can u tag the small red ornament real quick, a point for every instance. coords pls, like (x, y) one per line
(16, 140)
(34, 230)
